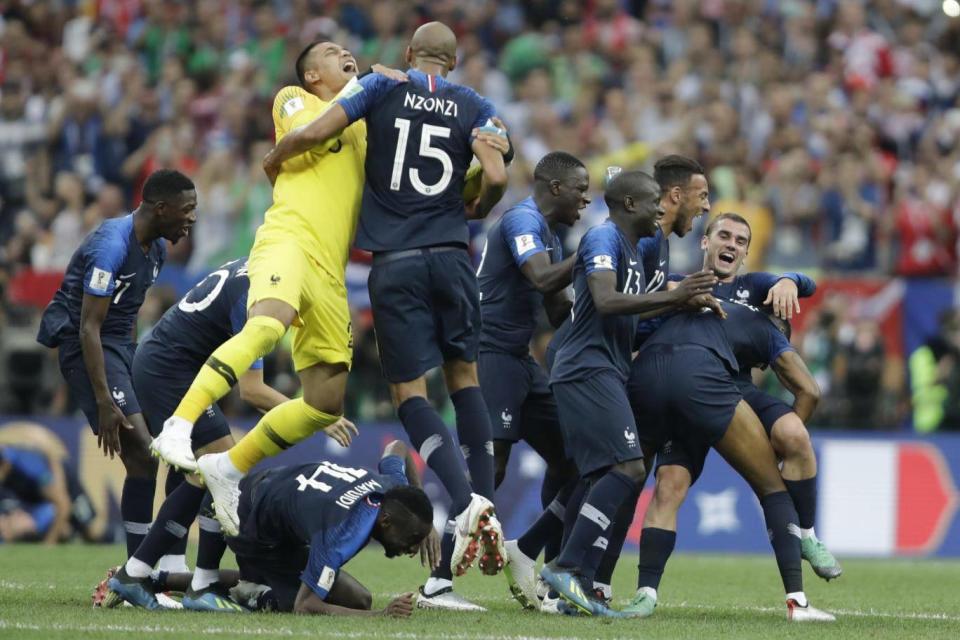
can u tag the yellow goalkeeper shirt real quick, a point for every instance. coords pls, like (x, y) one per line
(317, 195)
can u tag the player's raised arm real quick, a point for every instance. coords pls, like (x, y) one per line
(797, 379)
(110, 418)
(494, 182)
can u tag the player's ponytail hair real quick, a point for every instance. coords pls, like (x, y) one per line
(410, 499)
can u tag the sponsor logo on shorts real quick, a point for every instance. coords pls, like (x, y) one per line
(507, 419)
(119, 397)
(630, 437)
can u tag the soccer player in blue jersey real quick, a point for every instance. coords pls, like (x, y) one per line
(726, 244)
(92, 321)
(423, 290)
(521, 271)
(164, 366)
(300, 525)
(708, 410)
(591, 368)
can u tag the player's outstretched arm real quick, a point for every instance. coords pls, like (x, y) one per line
(797, 379)
(545, 276)
(331, 123)
(93, 311)
(494, 182)
(257, 393)
(609, 301)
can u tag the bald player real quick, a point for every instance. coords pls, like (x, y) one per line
(423, 289)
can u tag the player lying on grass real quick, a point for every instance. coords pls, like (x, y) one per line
(423, 288)
(708, 410)
(299, 525)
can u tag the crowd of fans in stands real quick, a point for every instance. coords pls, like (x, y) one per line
(833, 127)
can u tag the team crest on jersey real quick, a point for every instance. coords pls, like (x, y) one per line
(274, 280)
(743, 294)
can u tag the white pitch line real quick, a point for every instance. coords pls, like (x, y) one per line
(850, 613)
(260, 632)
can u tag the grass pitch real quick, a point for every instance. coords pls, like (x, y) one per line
(45, 595)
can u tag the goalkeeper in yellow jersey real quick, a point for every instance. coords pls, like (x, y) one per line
(297, 272)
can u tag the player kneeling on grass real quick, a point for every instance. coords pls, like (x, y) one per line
(300, 524)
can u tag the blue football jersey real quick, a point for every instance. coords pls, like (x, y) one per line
(209, 314)
(754, 338)
(655, 256)
(418, 150)
(596, 341)
(752, 288)
(326, 506)
(508, 302)
(702, 328)
(109, 263)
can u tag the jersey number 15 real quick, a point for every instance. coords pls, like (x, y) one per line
(427, 132)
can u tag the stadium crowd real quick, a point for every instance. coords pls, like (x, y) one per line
(832, 127)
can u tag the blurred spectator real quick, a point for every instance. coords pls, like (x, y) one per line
(935, 378)
(858, 375)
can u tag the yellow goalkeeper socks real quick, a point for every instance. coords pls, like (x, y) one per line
(231, 359)
(282, 427)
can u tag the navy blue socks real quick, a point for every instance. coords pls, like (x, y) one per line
(476, 438)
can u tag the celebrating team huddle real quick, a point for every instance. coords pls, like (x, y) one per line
(647, 371)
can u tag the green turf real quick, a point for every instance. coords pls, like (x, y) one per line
(44, 594)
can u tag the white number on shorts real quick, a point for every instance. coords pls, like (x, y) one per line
(207, 300)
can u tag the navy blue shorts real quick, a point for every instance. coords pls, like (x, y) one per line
(118, 363)
(682, 392)
(767, 408)
(426, 310)
(161, 392)
(597, 423)
(521, 405)
(691, 456)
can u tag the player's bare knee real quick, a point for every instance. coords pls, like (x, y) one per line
(673, 482)
(791, 440)
(138, 462)
(400, 392)
(460, 374)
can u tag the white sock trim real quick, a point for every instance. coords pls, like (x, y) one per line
(173, 564)
(649, 591)
(226, 467)
(436, 584)
(799, 596)
(137, 568)
(808, 533)
(203, 578)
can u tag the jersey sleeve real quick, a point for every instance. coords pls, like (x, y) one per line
(331, 548)
(761, 283)
(523, 234)
(294, 107)
(238, 318)
(393, 468)
(106, 253)
(806, 287)
(484, 114)
(599, 250)
(366, 92)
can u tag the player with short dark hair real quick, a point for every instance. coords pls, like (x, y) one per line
(590, 372)
(708, 410)
(423, 290)
(300, 525)
(521, 270)
(164, 366)
(91, 321)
